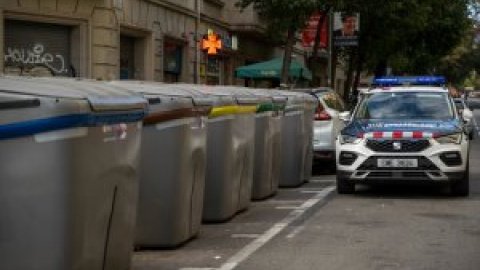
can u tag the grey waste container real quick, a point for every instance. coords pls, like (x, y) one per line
(268, 144)
(229, 170)
(309, 105)
(293, 136)
(69, 154)
(172, 168)
(244, 129)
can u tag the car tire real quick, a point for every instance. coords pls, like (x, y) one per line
(332, 167)
(461, 187)
(344, 186)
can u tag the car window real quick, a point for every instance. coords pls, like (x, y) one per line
(329, 100)
(333, 101)
(341, 104)
(406, 105)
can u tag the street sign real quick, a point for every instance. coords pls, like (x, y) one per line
(345, 29)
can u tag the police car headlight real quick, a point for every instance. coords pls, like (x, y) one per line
(347, 139)
(450, 139)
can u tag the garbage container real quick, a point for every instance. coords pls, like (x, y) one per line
(309, 105)
(69, 154)
(293, 136)
(247, 105)
(267, 156)
(229, 170)
(172, 168)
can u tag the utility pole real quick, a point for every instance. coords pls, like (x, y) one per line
(330, 67)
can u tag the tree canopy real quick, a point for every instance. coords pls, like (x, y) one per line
(280, 15)
(409, 36)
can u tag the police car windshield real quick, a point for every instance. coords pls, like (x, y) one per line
(405, 105)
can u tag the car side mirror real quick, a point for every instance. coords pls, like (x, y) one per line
(344, 116)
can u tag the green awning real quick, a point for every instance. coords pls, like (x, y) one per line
(272, 69)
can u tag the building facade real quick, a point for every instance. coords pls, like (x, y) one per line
(161, 40)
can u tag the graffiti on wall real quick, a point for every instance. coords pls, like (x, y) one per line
(34, 58)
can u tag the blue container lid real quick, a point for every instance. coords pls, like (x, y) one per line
(103, 105)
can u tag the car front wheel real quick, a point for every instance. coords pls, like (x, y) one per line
(461, 187)
(344, 186)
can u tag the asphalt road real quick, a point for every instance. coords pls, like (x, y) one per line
(311, 227)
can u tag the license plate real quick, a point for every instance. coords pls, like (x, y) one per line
(397, 163)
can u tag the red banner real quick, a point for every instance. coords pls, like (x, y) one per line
(310, 31)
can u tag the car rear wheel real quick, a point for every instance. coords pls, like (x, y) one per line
(461, 187)
(344, 186)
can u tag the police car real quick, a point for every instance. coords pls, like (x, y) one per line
(404, 129)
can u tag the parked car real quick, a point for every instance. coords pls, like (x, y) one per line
(408, 132)
(327, 124)
(467, 115)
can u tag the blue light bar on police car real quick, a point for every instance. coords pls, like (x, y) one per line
(421, 80)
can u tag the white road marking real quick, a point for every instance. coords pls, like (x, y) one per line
(191, 268)
(245, 235)
(295, 232)
(248, 250)
(310, 191)
(291, 202)
(287, 207)
(475, 124)
(318, 180)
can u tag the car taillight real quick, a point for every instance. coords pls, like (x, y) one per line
(321, 114)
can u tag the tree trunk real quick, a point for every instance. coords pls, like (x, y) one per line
(351, 67)
(333, 70)
(381, 68)
(358, 71)
(287, 57)
(316, 44)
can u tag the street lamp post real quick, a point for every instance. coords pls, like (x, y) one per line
(197, 42)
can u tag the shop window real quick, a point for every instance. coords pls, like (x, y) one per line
(172, 61)
(215, 70)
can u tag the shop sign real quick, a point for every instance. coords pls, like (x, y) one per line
(310, 31)
(212, 43)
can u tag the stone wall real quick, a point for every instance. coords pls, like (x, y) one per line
(99, 24)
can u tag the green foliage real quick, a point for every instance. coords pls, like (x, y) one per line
(457, 66)
(280, 15)
(411, 36)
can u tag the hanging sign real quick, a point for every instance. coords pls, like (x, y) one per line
(212, 43)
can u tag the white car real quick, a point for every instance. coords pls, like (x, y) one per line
(327, 124)
(404, 134)
(467, 114)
